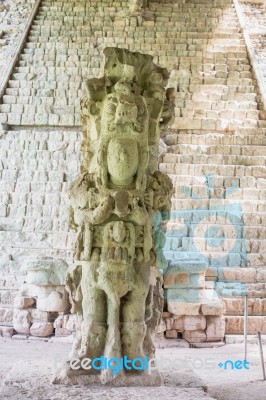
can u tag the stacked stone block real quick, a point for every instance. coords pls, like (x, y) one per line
(236, 260)
(41, 297)
(194, 309)
(36, 169)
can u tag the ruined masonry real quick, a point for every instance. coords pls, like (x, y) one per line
(214, 153)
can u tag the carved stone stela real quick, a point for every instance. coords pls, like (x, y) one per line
(115, 286)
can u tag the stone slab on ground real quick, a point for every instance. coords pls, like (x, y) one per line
(30, 381)
(120, 380)
(6, 331)
(252, 339)
(62, 339)
(18, 336)
(207, 345)
(164, 343)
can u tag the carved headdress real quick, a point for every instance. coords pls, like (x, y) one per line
(126, 104)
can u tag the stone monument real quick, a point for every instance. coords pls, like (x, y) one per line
(115, 285)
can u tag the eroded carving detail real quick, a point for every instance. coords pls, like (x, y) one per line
(115, 286)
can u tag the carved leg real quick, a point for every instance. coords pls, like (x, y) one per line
(154, 303)
(90, 338)
(93, 340)
(113, 339)
(133, 334)
(133, 327)
(94, 326)
(148, 344)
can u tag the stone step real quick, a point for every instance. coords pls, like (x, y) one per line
(224, 118)
(251, 339)
(228, 246)
(235, 325)
(238, 181)
(236, 306)
(172, 49)
(158, 37)
(49, 134)
(216, 188)
(50, 33)
(217, 139)
(42, 92)
(196, 62)
(213, 203)
(213, 181)
(219, 259)
(7, 99)
(228, 230)
(249, 131)
(225, 150)
(213, 106)
(257, 290)
(212, 124)
(62, 114)
(220, 159)
(224, 85)
(252, 194)
(253, 220)
(223, 170)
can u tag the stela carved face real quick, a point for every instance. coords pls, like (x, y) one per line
(122, 161)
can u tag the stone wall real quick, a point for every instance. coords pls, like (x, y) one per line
(214, 153)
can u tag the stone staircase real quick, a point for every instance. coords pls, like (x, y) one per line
(215, 148)
(36, 169)
(65, 46)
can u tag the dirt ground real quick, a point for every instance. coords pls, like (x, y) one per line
(27, 366)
